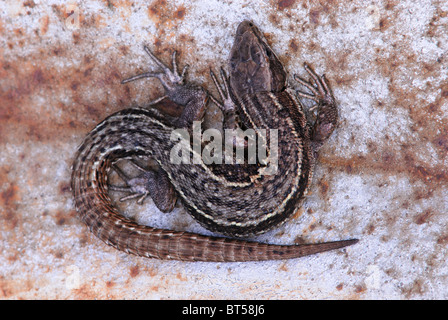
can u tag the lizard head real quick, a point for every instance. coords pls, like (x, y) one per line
(254, 67)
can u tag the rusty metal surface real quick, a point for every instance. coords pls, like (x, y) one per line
(382, 177)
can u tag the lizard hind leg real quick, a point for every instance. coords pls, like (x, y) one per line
(152, 183)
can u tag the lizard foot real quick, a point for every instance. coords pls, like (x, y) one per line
(227, 105)
(327, 112)
(149, 183)
(192, 98)
(320, 90)
(167, 77)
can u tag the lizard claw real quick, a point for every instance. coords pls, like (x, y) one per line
(192, 98)
(168, 78)
(327, 113)
(223, 91)
(137, 187)
(149, 183)
(228, 106)
(320, 90)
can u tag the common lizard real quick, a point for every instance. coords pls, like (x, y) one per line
(234, 200)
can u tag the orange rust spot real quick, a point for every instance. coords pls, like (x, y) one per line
(29, 3)
(443, 240)
(293, 45)
(283, 267)
(423, 218)
(360, 288)
(151, 271)
(134, 271)
(298, 213)
(180, 13)
(323, 186)
(284, 4)
(100, 21)
(61, 218)
(441, 142)
(430, 175)
(370, 229)
(274, 19)
(64, 188)
(85, 83)
(157, 10)
(165, 16)
(44, 22)
(416, 288)
(314, 16)
(9, 196)
(8, 200)
(180, 277)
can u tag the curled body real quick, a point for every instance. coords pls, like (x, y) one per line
(232, 200)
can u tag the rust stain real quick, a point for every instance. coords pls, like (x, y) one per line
(443, 240)
(283, 267)
(65, 217)
(134, 271)
(416, 288)
(298, 213)
(20, 114)
(152, 272)
(44, 22)
(293, 45)
(180, 12)
(423, 218)
(360, 289)
(323, 187)
(370, 229)
(181, 277)
(315, 16)
(430, 175)
(284, 4)
(85, 292)
(9, 199)
(29, 3)
(9, 196)
(64, 188)
(166, 17)
(441, 143)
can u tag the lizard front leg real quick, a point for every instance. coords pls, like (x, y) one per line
(193, 98)
(327, 112)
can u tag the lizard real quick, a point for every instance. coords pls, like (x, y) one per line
(235, 201)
